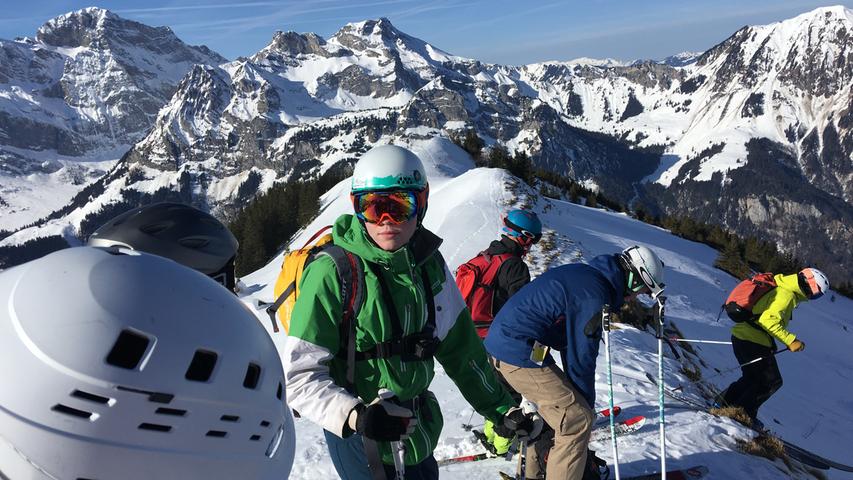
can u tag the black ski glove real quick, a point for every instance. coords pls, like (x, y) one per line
(527, 426)
(382, 421)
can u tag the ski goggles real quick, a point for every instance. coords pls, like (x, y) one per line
(395, 206)
(814, 288)
(529, 236)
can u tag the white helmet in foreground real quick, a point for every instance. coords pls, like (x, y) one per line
(120, 364)
(644, 269)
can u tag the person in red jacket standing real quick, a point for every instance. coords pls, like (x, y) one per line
(488, 280)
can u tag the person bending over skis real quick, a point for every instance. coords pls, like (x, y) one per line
(561, 309)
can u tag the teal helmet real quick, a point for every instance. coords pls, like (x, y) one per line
(391, 168)
(523, 224)
(388, 167)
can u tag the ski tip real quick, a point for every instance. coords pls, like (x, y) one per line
(639, 419)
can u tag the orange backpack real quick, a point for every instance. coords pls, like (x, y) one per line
(746, 294)
(350, 276)
(475, 279)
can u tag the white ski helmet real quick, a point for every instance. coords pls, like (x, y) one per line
(390, 168)
(121, 364)
(813, 282)
(644, 269)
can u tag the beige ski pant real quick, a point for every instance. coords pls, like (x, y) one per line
(563, 408)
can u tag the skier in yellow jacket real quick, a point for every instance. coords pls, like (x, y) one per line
(757, 339)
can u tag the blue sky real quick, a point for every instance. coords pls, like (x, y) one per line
(507, 32)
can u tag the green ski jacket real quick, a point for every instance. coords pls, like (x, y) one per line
(315, 353)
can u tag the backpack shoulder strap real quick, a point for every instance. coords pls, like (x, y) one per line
(430, 323)
(351, 276)
(494, 266)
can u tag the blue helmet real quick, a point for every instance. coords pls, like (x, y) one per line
(523, 224)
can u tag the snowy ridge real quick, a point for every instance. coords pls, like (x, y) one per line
(465, 209)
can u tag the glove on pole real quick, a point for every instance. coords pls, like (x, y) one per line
(383, 421)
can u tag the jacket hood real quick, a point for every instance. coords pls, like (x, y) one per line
(608, 265)
(349, 234)
(790, 282)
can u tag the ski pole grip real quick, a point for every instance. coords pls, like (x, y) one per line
(659, 317)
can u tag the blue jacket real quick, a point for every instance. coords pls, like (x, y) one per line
(560, 309)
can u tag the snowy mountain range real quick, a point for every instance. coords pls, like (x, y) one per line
(812, 410)
(760, 121)
(74, 99)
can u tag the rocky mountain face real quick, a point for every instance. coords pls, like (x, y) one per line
(85, 89)
(753, 134)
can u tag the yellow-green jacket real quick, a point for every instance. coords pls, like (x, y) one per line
(775, 309)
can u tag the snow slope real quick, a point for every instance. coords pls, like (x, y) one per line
(813, 408)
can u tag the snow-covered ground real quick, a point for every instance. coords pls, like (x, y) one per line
(813, 410)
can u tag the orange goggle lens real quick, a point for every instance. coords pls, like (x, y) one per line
(396, 207)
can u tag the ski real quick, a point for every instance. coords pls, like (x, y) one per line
(506, 476)
(685, 474)
(598, 415)
(678, 397)
(797, 453)
(606, 412)
(813, 459)
(466, 458)
(602, 433)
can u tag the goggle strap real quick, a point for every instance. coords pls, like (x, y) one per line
(522, 231)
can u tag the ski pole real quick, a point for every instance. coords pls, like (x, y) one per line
(605, 326)
(723, 372)
(522, 460)
(688, 340)
(659, 312)
(398, 449)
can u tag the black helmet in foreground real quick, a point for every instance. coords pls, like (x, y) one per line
(176, 231)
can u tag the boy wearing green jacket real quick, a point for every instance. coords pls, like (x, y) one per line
(411, 314)
(757, 339)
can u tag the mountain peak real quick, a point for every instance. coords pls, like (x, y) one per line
(75, 29)
(293, 43)
(369, 34)
(381, 27)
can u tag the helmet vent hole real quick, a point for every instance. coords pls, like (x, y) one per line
(265, 423)
(128, 350)
(155, 427)
(201, 367)
(155, 228)
(194, 243)
(230, 418)
(278, 391)
(73, 412)
(175, 412)
(255, 438)
(253, 375)
(92, 397)
(216, 434)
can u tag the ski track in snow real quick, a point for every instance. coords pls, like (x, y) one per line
(461, 214)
